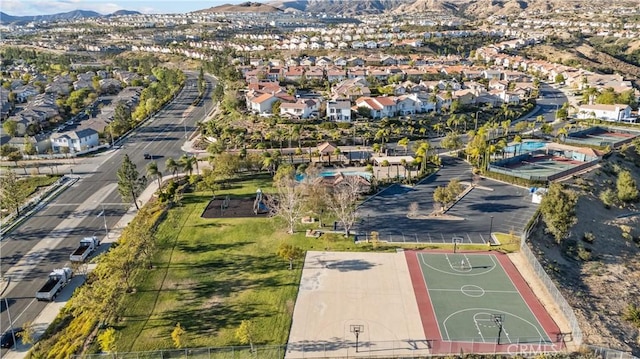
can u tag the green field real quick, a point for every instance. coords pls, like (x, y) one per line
(210, 274)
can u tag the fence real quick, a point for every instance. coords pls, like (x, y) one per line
(347, 349)
(606, 353)
(576, 332)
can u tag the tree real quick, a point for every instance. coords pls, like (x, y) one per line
(172, 166)
(188, 163)
(558, 210)
(342, 201)
(178, 336)
(287, 203)
(29, 148)
(27, 333)
(626, 186)
(210, 180)
(290, 253)
(245, 333)
(448, 194)
(15, 156)
(153, 171)
(451, 141)
(107, 340)
(10, 127)
(404, 143)
(559, 79)
(130, 184)
(6, 149)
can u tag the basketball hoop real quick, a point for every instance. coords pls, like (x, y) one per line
(356, 329)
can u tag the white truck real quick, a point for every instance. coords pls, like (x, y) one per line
(58, 279)
(87, 246)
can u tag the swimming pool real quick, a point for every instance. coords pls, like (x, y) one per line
(525, 147)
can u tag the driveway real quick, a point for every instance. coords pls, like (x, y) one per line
(499, 208)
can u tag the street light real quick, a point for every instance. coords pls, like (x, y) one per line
(491, 226)
(104, 217)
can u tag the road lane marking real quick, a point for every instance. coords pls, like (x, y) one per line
(39, 251)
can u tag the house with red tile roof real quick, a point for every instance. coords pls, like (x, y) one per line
(381, 106)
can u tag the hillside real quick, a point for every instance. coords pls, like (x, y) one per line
(421, 6)
(71, 15)
(598, 267)
(585, 55)
(467, 8)
(243, 7)
(340, 7)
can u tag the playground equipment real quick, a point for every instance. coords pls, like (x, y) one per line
(224, 205)
(258, 204)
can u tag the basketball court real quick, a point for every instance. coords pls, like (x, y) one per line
(478, 303)
(416, 303)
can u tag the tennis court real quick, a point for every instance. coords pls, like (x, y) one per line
(479, 303)
(602, 137)
(554, 162)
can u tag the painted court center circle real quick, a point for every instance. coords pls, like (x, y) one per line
(472, 290)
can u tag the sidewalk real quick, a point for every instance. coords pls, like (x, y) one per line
(51, 311)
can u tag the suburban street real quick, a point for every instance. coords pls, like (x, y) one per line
(45, 241)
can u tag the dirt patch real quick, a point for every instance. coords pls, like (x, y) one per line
(236, 207)
(597, 268)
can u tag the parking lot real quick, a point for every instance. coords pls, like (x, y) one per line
(498, 207)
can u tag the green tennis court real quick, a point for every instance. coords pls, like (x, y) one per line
(475, 300)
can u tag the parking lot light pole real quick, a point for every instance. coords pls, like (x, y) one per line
(491, 226)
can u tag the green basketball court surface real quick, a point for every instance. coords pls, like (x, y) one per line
(478, 298)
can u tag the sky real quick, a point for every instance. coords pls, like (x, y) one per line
(44, 7)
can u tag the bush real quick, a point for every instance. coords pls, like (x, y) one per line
(584, 253)
(632, 314)
(608, 197)
(626, 186)
(589, 237)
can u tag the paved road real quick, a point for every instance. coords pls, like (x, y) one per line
(45, 241)
(504, 208)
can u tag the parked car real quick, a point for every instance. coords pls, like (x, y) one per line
(7, 339)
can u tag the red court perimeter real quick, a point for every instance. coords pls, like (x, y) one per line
(440, 346)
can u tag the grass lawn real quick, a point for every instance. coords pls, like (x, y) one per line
(210, 274)
(29, 185)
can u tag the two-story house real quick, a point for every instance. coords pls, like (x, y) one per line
(339, 111)
(75, 141)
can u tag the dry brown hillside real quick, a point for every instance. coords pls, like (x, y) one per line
(599, 288)
(585, 55)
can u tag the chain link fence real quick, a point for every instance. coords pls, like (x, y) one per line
(558, 298)
(606, 353)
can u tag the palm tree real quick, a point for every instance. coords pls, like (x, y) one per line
(438, 127)
(422, 150)
(404, 143)
(172, 166)
(187, 163)
(152, 171)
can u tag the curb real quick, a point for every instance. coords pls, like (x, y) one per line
(48, 197)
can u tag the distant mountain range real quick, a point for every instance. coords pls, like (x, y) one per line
(463, 8)
(243, 7)
(71, 15)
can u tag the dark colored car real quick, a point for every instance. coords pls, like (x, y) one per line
(6, 341)
(147, 156)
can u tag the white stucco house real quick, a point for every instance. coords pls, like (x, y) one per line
(614, 113)
(339, 111)
(76, 141)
